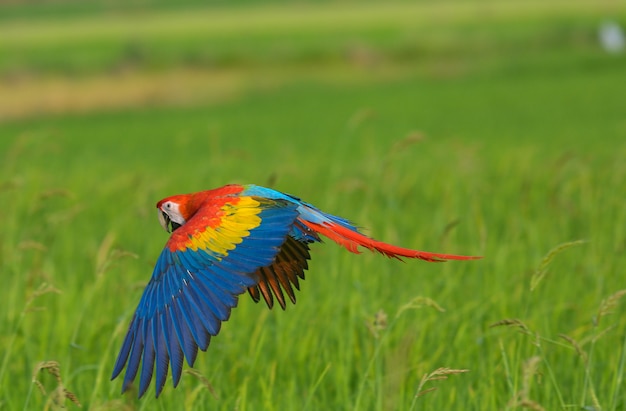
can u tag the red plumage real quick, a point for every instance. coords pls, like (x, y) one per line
(351, 240)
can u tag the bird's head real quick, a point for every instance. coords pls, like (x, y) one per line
(172, 212)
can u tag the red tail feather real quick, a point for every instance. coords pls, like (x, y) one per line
(351, 240)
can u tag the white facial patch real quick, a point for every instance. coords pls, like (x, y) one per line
(173, 211)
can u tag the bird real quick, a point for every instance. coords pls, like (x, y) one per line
(224, 242)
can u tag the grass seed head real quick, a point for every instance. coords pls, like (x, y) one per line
(436, 375)
(419, 302)
(59, 394)
(577, 347)
(378, 323)
(203, 380)
(512, 322)
(542, 269)
(608, 305)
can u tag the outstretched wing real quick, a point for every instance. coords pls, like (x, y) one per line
(205, 265)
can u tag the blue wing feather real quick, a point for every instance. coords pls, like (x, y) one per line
(174, 350)
(203, 312)
(161, 352)
(223, 299)
(190, 293)
(147, 362)
(135, 353)
(194, 323)
(183, 333)
(215, 305)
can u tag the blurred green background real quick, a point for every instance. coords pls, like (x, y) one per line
(494, 128)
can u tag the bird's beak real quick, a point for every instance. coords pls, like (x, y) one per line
(167, 224)
(164, 219)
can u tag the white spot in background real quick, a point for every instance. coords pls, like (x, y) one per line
(611, 37)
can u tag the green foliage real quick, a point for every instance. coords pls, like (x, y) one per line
(109, 37)
(515, 159)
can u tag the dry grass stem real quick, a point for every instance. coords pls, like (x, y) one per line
(577, 347)
(106, 255)
(31, 245)
(114, 405)
(608, 305)
(512, 322)
(594, 400)
(439, 374)
(522, 398)
(412, 138)
(530, 405)
(378, 323)
(203, 380)
(529, 369)
(56, 192)
(58, 396)
(42, 290)
(419, 302)
(542, 269)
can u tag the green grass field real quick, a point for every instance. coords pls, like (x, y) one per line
(483, 128)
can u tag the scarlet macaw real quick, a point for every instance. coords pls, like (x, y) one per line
(223, 242)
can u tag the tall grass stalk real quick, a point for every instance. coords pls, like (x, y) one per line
(8, 351)
(617, 392)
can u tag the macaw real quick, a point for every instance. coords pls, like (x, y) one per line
(224, 242)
